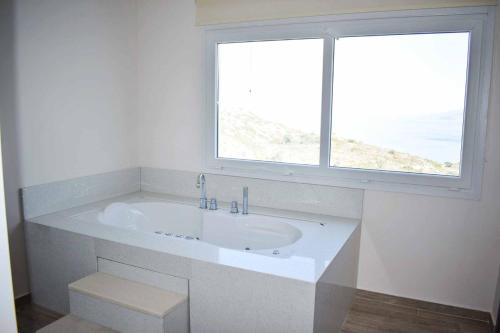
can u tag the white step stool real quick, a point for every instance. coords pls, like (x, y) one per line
(74, 324)
(128, 306)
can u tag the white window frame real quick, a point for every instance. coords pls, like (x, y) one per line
(478, 21)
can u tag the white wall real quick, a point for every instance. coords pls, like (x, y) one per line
(76, 94)
(10, 157)
(437, 249)
(170, 85)
(76, 87)
(7, 113)
(7, 309)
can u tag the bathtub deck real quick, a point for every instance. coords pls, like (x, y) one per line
(322, 237)
(370, 313)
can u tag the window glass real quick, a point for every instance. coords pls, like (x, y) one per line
(269, 100)
(398, 102)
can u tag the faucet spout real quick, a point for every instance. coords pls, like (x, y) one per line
(201, 184)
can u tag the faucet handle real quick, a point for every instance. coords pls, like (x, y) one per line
(234, 207)
(245, 201)
(213, 204)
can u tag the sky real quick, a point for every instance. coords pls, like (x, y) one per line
(403, 92)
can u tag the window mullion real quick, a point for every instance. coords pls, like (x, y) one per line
(326, 103)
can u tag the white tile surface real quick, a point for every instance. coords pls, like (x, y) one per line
(328, 200)
(309, 257)
(56, 258)
(143, 257)
(228, 300)
(145, 276)
(48, 198)
(335, 289)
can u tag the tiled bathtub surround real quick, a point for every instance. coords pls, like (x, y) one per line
(256, 291)
(266, 285)
(48, 198)
(317, 199)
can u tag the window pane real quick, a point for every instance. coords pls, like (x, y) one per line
(270, 100)
(398, 102)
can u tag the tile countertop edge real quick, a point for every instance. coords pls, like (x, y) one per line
(63, 220)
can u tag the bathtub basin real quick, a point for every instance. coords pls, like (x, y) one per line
(221, 228)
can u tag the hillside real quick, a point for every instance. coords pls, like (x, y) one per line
(247, 136)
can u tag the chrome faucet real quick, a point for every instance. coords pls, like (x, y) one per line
(234, 207)
(244, 210)
(213, 204)
(201, 184)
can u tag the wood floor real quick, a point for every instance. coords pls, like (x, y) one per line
(31, 317)
(370, 313)
(376, 313)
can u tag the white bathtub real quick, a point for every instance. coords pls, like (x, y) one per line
(284, 243)
(303, 259)
(234, 231)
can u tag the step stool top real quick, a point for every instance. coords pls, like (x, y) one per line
(74, 324)
(130, 294)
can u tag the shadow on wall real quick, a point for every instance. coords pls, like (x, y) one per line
(9, 137)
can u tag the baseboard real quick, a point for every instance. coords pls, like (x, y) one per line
(23, 300)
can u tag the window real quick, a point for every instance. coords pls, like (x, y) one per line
(396, 102)
(270, 100)
(410, 116)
